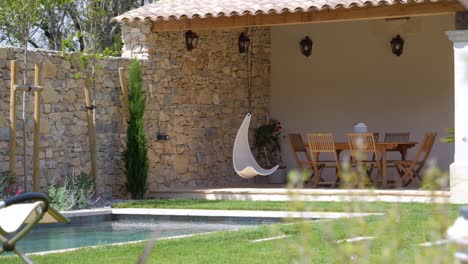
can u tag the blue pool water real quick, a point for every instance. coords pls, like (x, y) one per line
(46, 238)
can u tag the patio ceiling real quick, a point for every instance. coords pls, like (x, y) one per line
(178, 15)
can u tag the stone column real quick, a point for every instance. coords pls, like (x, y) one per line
(134, 37)
(459, 169)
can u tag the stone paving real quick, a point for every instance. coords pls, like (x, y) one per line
(250, 193)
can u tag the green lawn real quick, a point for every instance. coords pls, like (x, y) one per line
(205, 204)
(397, 234)
(252, 205)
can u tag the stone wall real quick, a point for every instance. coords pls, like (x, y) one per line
(64, 130)
(199, 99)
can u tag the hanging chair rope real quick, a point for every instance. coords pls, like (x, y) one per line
(249, 70)
(243, 160)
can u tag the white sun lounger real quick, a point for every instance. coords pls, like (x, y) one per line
(19, 215)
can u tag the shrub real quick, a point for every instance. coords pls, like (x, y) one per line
(8, 185)
(135, 155)
(75, 193)
(267, 143)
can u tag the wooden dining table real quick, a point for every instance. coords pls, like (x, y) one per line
(381, 147)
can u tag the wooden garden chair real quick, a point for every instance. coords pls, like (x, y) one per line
(376, 136)
(323, 143)
(376, 139)
(302, 157)
(362, 146)
(411, 169)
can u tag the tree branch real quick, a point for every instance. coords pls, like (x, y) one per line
(77, 25)
(34, 44)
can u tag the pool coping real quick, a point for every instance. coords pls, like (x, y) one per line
(215, 213)
(249, 193)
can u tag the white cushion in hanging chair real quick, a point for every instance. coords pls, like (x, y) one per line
(244, 162)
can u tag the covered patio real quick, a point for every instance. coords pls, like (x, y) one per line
(351, 76)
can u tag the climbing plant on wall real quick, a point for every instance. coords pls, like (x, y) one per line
(135, 154)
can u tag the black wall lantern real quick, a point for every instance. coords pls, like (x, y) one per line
(191, 40)
(244, 42)
(306, 46)
(397, 45)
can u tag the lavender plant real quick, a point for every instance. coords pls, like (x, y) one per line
(75, 193)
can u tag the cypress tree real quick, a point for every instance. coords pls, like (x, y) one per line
(135, 154)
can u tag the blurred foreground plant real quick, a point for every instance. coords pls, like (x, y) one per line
(378, 238)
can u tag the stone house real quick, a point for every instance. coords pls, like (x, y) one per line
(199, 97)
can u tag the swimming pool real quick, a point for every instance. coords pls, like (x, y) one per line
(114, 228)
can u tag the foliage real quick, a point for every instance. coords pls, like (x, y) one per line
(74, 193)
(450, 138)
(91, 26)
(267, 143)
(65, 24)
(8, 185)
(388, 236)
(21, 17)
(90, 70)
(135, 154)
(434, 178)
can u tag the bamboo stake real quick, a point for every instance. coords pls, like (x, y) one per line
(123, 86)
(91, 128)
(37, 129)
(23, 114)
(12, 153)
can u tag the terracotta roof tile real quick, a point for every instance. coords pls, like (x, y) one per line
(177, 9)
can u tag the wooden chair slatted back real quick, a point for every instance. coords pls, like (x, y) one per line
(362, 142)
(322, 143)
(426, 147)
(397, 137)
(362, 145)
